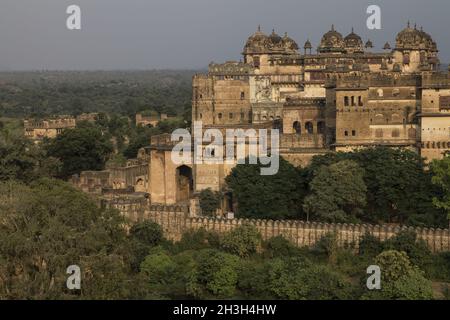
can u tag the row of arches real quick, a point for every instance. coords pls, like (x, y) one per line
(353, 101)
(395, 133)
(436, 145)
(308, 127)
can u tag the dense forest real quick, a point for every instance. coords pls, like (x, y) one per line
(41, 94)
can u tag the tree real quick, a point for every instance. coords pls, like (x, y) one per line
(408, 242)
(338, 192)
(400, 279)
(272, 197)
(140, 138)
(299, 279)
(441, 178)
(21, 159)
(242, 241)
(389, 175)
(48, 226)
(147, 232)
(216, 274)
(209, 202)
(79, 149)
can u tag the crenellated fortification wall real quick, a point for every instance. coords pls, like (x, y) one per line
(175, 220)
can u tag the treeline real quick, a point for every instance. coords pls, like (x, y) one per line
(47, 225)
(109, 141)
(43, 94)
(373, 185)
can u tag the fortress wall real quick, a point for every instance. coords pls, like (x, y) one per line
(175, 220)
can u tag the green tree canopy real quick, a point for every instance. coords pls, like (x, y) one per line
(242, 241)
(49, 226)
(400, 279)
(398, 188)
(273, 197)
(209, 202)
(82, 148)
(441, 178)
(338, 193)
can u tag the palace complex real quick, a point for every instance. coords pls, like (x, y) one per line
(344, 96)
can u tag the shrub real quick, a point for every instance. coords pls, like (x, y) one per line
(147, 232)
(242, 241)
(209, 202)
(370, 245)
(279, 247)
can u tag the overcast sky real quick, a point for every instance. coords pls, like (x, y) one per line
(149, 34)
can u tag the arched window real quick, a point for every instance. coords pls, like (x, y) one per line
(309, 127)
(412, 133)
(353, 101)
(395, 118)
(321, 127)
(380, 93)
(346, 101)
(395, 133)
(297, 127)
(379, 133)
(346, 133)
(256, 61)
(379, 118)
(353, 133)
(219, 116)
(406, 59)
(360, 102)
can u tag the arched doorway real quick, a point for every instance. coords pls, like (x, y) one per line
(321, 127)
(185, 185)
(297, 127)
(309, 127)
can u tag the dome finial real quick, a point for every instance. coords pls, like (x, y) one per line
(353, 30)
(415, 26)
(408, 24)
(332, 27)
(259, 28)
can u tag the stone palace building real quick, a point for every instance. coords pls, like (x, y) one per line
(342, 97)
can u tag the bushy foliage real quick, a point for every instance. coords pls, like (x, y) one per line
(338, 193)
(400, 279)
(242, 241)
(209, 202)
(48, 226)
(80, 149)
(276, 196)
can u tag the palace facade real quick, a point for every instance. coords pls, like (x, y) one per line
(342, 97)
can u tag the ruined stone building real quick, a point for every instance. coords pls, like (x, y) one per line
(47, 128)
(38, 129)
(150, 119)
(341, 97)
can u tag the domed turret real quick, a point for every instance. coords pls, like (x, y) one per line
(332, 41)
(307, 47)
(414, 39)
(289, 44)
(257, 42)
(387, 46)
(353, 42)
(369, 44)
(274, 38)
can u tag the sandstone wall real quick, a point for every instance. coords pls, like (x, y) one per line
(175, 220)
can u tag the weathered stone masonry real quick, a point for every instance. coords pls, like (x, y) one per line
(175, 220)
